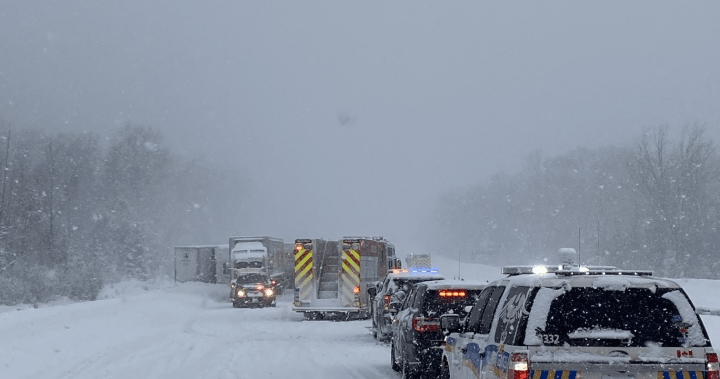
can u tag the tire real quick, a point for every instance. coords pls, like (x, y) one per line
(406, 371)
(393, 364)
(445, 370)
(236, 305)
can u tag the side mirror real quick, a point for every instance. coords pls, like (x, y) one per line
(372, 291)
(395, 307)
(450, 323)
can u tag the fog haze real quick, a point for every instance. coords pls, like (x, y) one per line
(352, 118)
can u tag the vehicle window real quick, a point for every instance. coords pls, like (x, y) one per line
(409, 299)
(434, 305)
(488, 311)
(634, 317)
(477, 310)
(419, 294)
(514, 314)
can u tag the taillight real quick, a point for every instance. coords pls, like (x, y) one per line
(386, 298)
(519, 367)
(713, 367)
(421, 324)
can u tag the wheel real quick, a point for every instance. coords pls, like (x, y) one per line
(236, 305)
(393, 363)
(445, 370)
(406, 371)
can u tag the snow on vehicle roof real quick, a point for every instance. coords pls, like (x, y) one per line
(254, 245)
(406, 274)
(459, 284)
(618, 282)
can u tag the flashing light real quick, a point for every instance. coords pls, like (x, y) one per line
(712, 366)
(584, 269)
(268, 292)
(539, 270)
(298, 246)
(260, 287)
(453, 293)
(398, 270)
(423, 270)
(356, 290)
(240, 293)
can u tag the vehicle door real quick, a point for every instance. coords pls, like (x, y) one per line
(379, 302)
(507, 331)
(456, 343)
(477, 333)
(400, 326)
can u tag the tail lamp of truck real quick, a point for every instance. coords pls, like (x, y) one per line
(519, 367)
(713, 367)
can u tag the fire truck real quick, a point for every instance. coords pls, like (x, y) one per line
(332, 277)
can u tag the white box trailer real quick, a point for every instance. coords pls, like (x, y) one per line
(202, 263)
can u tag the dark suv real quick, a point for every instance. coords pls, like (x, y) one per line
(385, 302)
(417, 340)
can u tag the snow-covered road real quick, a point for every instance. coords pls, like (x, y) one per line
(186, 331)
(191, 331)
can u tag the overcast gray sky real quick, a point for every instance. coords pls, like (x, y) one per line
(352, 117)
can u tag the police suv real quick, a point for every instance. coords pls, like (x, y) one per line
(572, 322)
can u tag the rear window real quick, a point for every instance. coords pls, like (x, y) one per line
(436, 305)
(404, 284)
(634, 317)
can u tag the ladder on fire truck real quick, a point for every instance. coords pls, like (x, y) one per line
(329, 272)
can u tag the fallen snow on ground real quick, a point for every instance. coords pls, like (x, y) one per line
(190, 330)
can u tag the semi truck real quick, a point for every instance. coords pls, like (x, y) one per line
(332, 277)
(260, 267)
(263, 255)
(201, 263)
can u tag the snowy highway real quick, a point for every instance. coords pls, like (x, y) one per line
(185, 331)
(191, 330)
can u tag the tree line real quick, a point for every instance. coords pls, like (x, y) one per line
(78, 211)
(653, 204)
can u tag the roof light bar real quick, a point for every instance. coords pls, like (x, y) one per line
(576, 270)
(604, 272)
(423, 270)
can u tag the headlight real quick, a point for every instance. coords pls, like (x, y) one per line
(240, 293)
(268, 292)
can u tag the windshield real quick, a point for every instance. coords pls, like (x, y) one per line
(253, 264)
(251, 279)
(632, 317)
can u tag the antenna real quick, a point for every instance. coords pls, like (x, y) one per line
(579, 261)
